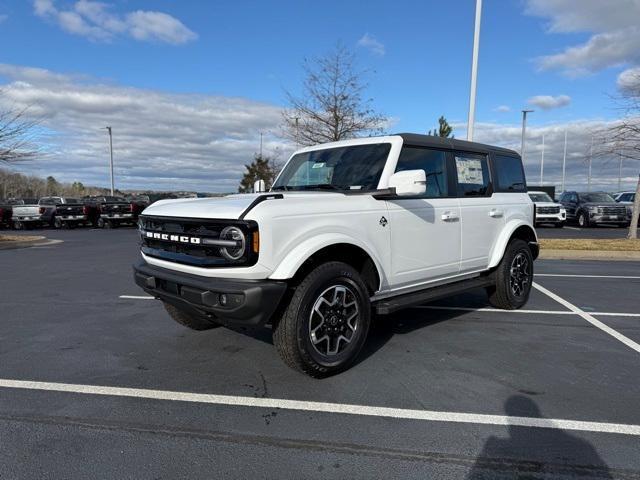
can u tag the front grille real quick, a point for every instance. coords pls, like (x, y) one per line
(609, 211)
(178, 246)
(548, 210)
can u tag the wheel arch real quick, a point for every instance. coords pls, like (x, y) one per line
(308, 255)
(515, 229)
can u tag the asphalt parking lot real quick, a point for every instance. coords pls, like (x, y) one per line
(97, 381)
(572, 231)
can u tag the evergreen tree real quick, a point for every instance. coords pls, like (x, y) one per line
(444, 129)
(262, 168)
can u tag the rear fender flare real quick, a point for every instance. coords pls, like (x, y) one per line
(503, 240)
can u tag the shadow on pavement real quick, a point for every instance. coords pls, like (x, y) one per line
(556, 453)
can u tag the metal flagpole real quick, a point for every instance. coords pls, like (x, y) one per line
(474, 72)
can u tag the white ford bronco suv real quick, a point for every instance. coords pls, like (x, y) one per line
(349, 230)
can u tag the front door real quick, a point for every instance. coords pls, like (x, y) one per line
(425, 230)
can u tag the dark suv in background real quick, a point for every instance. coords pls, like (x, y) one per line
(593, 208)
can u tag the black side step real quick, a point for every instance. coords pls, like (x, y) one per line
(390, 305)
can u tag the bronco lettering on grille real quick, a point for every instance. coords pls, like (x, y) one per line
(173, 238)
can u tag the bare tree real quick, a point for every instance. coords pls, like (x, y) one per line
(16, 136)
(623, 138)
(331, 106)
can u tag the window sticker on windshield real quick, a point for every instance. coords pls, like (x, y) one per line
(318, 165)
(355, 187)
(469, 171)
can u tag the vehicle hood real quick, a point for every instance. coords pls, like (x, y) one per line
(599, 204)
(228, 207)
(548, 204)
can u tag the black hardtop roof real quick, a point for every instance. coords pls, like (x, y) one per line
(418, 140)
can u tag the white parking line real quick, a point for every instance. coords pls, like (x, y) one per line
(589, 318)
(137, 297)
(571, 228)
(626, 277)
(540, 312)
(323, 407)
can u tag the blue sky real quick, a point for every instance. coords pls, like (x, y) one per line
(238, 57)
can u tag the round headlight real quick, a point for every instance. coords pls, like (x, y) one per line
(235, 234)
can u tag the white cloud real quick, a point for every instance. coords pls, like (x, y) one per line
(615, 33)
(629, 80)
(374, 46)
(503, 108)
(549, 102)
(95, 21)
(161, 140)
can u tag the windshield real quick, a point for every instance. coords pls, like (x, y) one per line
(356, 167)
(540, 197)
(596, 197)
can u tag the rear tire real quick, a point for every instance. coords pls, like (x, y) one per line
(100, 223)
(194, 322)
(57, 223)
(514, 276)
(325, 325)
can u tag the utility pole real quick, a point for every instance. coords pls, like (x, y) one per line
(590, 156)
(564, 160)
(524, 130)
(474, 71)
(542, 163)
(111, 158)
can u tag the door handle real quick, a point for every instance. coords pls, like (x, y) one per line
(496, 213)
(449, 217)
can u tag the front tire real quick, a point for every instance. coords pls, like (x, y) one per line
(583, 220)
(514, 277)
(560, 225)
(325, 324)
(192, 321)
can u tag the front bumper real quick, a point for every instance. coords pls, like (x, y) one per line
(547, 218)
(246, 302)
(601, 218)
(122, 217)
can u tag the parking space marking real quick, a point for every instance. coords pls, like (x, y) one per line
(624, 277)
(324, 407)
(137, 297)
(541, 312)
(589, 318)
(572, 228)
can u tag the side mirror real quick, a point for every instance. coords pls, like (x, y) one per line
(409, 182)
(259, 186)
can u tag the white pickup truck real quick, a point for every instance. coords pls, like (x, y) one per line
(349, 229)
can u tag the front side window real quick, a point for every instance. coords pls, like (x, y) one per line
(356, 167)
(434, 164)
(473, 174)
(509, 173)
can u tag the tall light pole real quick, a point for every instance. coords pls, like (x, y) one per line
(111, 158)
(564, 160)
(474, 72)
(542, 163)
(524, 131)
(590, 156)
(620, 171)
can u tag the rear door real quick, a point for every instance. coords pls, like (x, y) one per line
(482, 214)
(425, 229)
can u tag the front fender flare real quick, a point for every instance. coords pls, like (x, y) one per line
(290, 264)
(503, 239)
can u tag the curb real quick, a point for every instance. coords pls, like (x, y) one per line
(38, 242)
(603, 255)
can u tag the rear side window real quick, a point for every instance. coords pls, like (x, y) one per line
(509, 174)
(473, 174)
(434, 164)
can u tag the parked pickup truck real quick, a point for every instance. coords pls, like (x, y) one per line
(6, 212)
(115, 211)
(70, 212)
(350, 229)
(29, 213)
